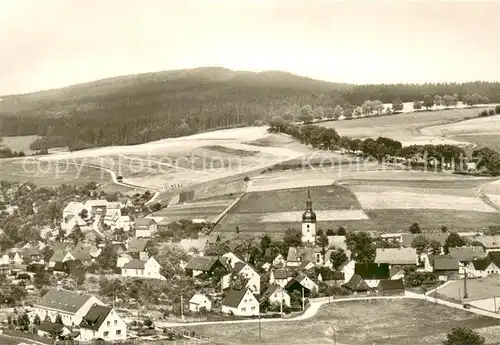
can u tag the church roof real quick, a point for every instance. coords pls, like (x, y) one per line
(309, 216)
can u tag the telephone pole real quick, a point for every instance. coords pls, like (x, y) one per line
(465, 285)
(303, 300)
(182, 308)
(495, 302)
(260, 331)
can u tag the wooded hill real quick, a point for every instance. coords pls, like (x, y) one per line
(140, 108)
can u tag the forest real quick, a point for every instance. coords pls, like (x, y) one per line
(141, 108)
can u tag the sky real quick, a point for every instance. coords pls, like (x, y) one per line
(54, 43)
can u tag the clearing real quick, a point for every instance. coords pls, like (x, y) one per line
(390, 322)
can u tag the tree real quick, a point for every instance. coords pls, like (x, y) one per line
(435, 247)
(428, 102)
(361, 246)
(306, 114)
(444, 229)
(437, 101)
(397, 105)
(84, 214)
(23, 321)
(108, 258)
(338, 257)
(292, 238)
(41, 279)
(463, 336)
(497, 109)
(453, 240)
(76, 235)
(415, 229)
(341, 231)
(449, 100)
(36, 320)
(420, 243)
(417, 105)
(338, 112)
(47, 253)
(59, 319)
(322, 241)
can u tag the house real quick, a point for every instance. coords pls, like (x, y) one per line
(296, 255)
(194, 246)
(123, 259)
(357, 284)
(30, 255)
(245, 271)
(125, 203)
(280, 277)
(276, 294)
(348, 269)
(101, 322)
(145, 228)
(306, 265)
(199, 302)
(331, 278)
(337, 242)
(302, 283)
(491, 243)
(136, 246)
(396, 272)
(74, 208)
(72, 306)
(240, 303)
(96, 206)
(213, 238)
(12, 258)
(198, 265)
(62, 256)
(123, 222)
(464, 255)
(372, 272)
(136, 268)
(52, 330)
(396, 256)
(112, 213)
(440, 237)
(69, 223)
(444, 267)
(232, 259)
(481, 268)
(391, 287)
(279, 261)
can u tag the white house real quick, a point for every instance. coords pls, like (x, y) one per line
(199, 302)
(123, 222)
(232, 259)
(125, 203)
(96, 206)
(246, 272)
(71, 221)
(279, 261)
(276, 294)
(101, 322)
(123, 259)
(145, 228)
(11, 258)
(240, 303)
(72, 306)
(74, 208)
(142, 269)
(280, 277)
(112, 213)
(348, 269)
(481, 268)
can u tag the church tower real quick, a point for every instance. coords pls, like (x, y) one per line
(309, 222)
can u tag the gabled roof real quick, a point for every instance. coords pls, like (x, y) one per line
(234, 297)
(213, 238)
(58, 256)
(357, 283)
(371, 270)
(113, 206)
(489, 242)
(144, 222)
(198, 298)
(51, 327)
(396, 256)
(431, 236)
(83, 255)
(96, 203)
(271, 290)
(201, 263)
(74, 206)
(280, 273)
(443, 263)
(481, 264)
(329, 275)
(467, 253)
(63, 300)
(137, 245)
(188, 243)
(388, 284)
(95, 317)
(135, 264)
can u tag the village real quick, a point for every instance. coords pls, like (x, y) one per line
(101, 274)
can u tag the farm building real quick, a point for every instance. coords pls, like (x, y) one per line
(389, 287)
(200, 302)
(481, 268)
(357, 285)
(372, 273)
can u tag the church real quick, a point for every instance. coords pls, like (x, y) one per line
(309, 222)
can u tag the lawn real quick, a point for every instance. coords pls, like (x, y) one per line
(477, 289)
(390, 322)
(20, 143)
(330, 197)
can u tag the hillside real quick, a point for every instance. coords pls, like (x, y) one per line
(145, 107)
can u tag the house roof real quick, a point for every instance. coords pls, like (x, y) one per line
(201, 263)
(50, 327)
(113, 205)
(489, 242)
(234, 297)
(58, 256)
(467, 253)
(443, 263)
(357, 283)
(74, 206)
(394, 270)
(63, 300)
(396, 256)
(329, 275)
(481, 264)
(144, 222)
(280, 274)
(83, 255)
(199, 243)
(389, 284)
(137, 245)
(95, 317)
(198, 298)
(135, 264)
(371, 270)
(431, 236)
(213, 237)
(96, 203)
(271, 290)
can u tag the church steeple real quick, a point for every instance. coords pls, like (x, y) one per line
(308, 202)
(308, 222)
(309, 216)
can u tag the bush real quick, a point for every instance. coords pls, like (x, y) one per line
(483, 113)
(497, 109)
(492, 112)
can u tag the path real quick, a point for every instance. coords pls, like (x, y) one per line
(485, 198)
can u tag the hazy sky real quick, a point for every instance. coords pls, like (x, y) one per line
(53, 43)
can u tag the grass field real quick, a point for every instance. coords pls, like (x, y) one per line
(390, 322)
(477, 289)
(20, 143)
(288, 200)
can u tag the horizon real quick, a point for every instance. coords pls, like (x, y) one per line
(306, 39)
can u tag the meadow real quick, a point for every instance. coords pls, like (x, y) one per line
(20, 143)
(389, 322)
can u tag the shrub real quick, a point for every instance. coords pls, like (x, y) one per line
(484, 113)
(497, 109)
(492, 112)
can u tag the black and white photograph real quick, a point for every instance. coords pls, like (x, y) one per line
(238, 172)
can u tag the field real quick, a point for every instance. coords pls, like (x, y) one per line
(407, 128)
(390, 322)
(477, 289)
(20, 143)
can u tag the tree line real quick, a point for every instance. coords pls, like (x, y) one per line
(387, 149)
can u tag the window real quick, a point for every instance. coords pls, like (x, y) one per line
(253, 308)
(243, 309)
(108, 323)
(116, 322)
(118, 332)
(106, 334)
(308, 226)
